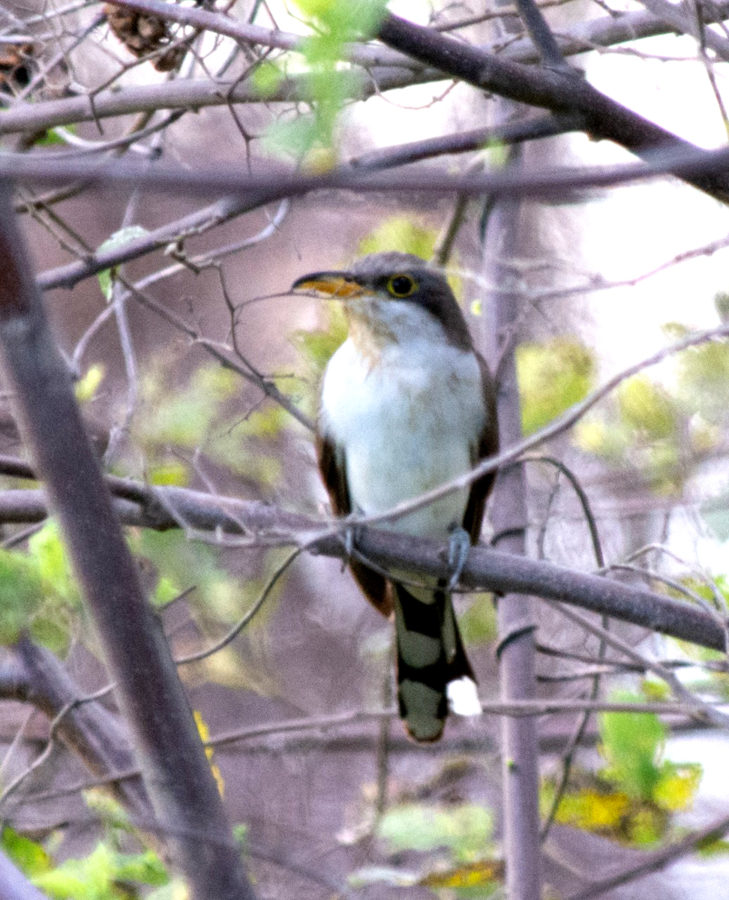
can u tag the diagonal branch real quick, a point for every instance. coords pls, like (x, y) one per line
(675, 17)
(87, 728)
(14, 885)
(199, 93)
(554, 89)
(541, 34)
(175, 769)
(256, 523)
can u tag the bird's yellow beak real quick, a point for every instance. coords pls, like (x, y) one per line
(331, 284)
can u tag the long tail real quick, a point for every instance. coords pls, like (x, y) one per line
(432, 666)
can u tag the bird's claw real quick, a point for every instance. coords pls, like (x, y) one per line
(350, 536)
(459, 543)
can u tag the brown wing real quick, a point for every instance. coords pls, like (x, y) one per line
(487, 445)
(333, 468)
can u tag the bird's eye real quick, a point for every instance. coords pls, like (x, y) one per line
(401, 285)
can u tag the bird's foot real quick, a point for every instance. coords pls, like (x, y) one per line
(459, 543)
(350, 536)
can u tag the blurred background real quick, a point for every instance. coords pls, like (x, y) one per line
(604, 279)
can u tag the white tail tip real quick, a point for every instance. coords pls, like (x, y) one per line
(463, 697)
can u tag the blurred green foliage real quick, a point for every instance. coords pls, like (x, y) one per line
(203, 415)
(465, 829)
(402, 234)
(118, 239)
(661, 433)
(631, 799)
(105, 874)
(460, 836)
(38, 594)
(219, 599)
(332, 82)
(477, 623)
(553, 375)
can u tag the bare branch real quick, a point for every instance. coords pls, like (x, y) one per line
(246, 33)
(689, 163)
(704, 711)
(676, 18)
(541, 34)
(486, 569)
(88, 728)
(176, 772)
(194, 223)
(658, 859)
(466, 141)
(549, 88)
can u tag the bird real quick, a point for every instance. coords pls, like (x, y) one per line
(406, 404)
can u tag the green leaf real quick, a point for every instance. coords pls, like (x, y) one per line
(101, 875)
(464, 829)
(27, 855)
(480, 879)
(553, 375)
(119, 239)
(344, 19)
(266, 79)
(713, 848)
(647, 408)
(172, 472)
(21, 594)
(703, 373)
(295, 137)
(478, 623)
(400, 233)
(49, 553)
(632, 744)
(37, 591)
(595, 807)
(677, 785)
(87, 386)
(331, 82)
(596, 435)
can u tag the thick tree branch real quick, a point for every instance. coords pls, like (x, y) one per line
(541, 34)
(690, 163)
(88, 728)
(14, 885)
(175, 769)
(503, 237)
(196, 94)
(551, 88)
(259, 523)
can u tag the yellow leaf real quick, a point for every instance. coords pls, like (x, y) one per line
(677, 787)
(86, 387)
(204, 733)
(592, 809)
(471, 875)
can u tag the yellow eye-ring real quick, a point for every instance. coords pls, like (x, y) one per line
(401, 285)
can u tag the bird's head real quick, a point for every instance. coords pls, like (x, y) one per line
(393, 298)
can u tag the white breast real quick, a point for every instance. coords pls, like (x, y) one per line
(406, 425)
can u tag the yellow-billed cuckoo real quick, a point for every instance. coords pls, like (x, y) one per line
(406, 404)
